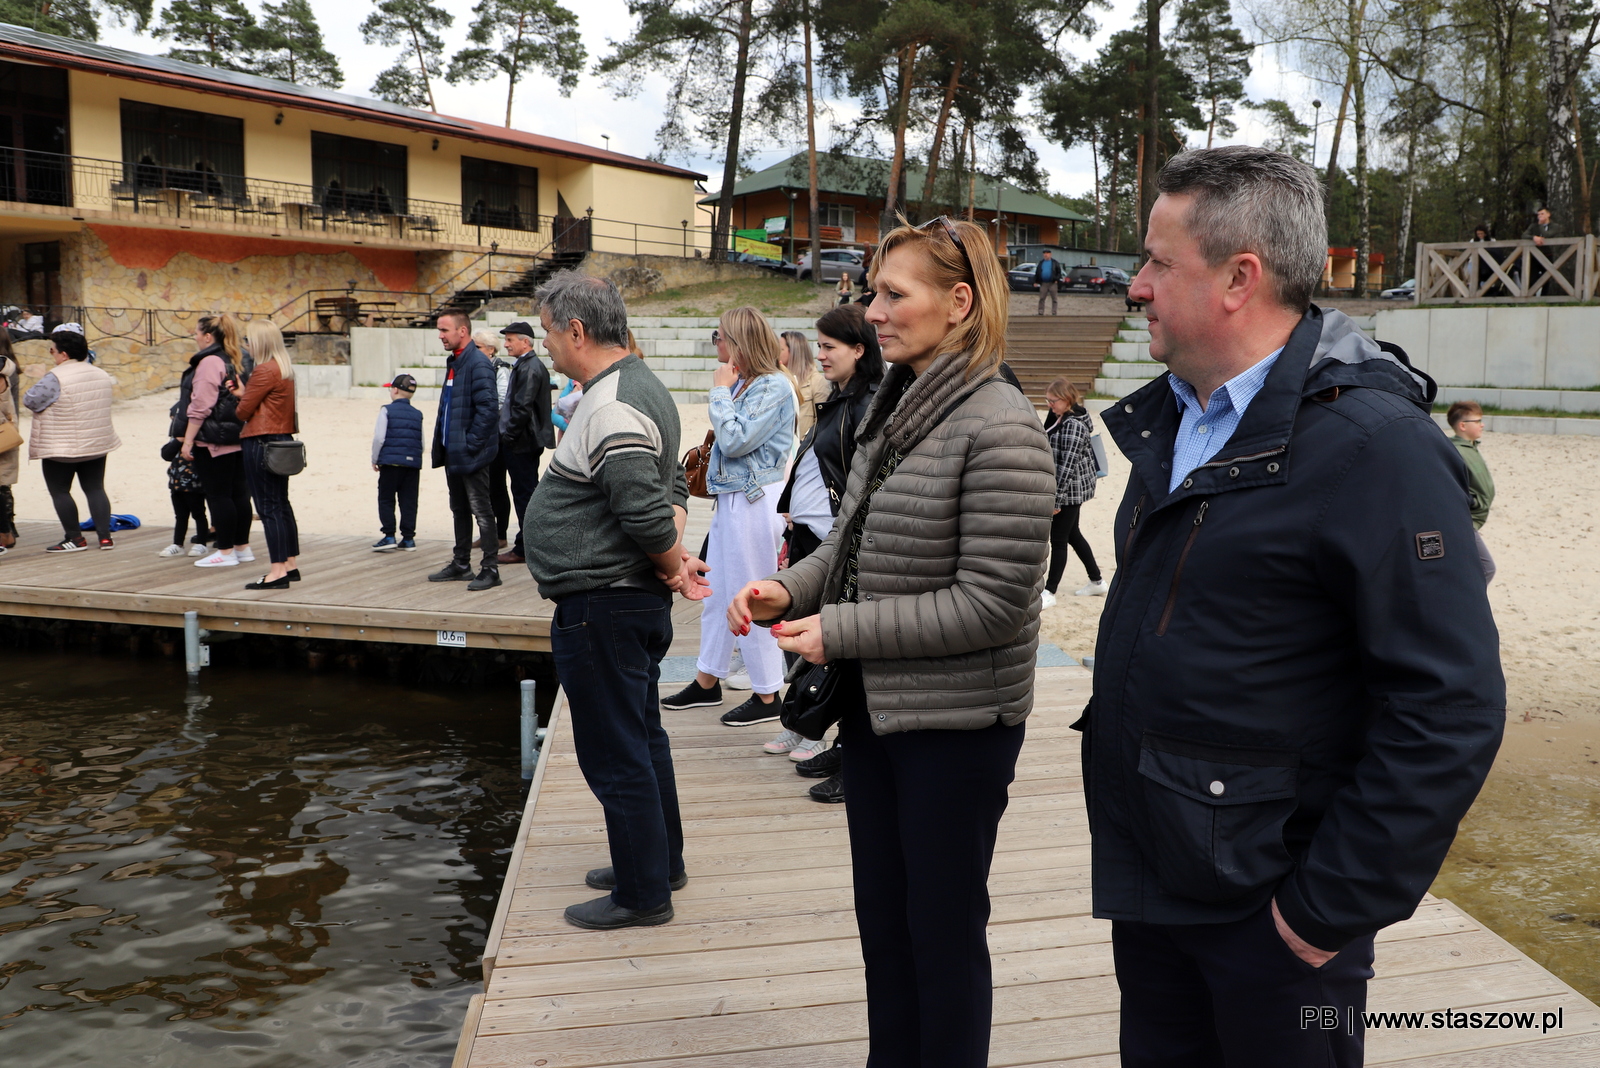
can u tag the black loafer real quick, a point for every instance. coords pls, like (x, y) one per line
(824, 764)
(264, 584)
(602, 914)
(829, 791)
(606, 879)
(452, 572)
(294, 574)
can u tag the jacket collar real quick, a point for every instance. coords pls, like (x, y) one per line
(920, 401)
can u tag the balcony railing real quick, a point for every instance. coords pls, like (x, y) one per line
(1562, 269)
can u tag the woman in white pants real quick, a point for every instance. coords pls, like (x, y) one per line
(753, 404)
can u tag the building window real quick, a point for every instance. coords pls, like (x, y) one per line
(42, 261)
(33, 135)
(353, 175)
(171, 148)
(499, 194)
(1023, 233)
(840, 216)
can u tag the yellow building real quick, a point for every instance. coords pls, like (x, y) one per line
(138, 191)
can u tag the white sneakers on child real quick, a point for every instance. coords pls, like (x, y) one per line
(171, 550)
(1046, 599)
(783, 743)
(219, 559)
(807, 749)
(1094, 589)
(199, 548)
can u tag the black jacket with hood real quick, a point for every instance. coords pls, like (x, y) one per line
(833, 438)
(1297, 681)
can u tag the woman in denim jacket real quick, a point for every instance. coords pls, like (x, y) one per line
(753, 406)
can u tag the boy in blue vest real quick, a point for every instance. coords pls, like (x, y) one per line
(397, 457)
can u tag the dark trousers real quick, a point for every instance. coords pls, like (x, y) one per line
(608, 645)
(222, 478)
(187, 505)
(802, 543)
(924, 808)
(523, 467)
(1064, 532)
(1218, 995)
(271, 494)
(471, 503)
(498, 497)
(396, 483)
(92, 480)
(8, 516)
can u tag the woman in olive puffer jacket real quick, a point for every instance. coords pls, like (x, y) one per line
(928, 590)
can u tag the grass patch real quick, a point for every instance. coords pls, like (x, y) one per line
(772, 295)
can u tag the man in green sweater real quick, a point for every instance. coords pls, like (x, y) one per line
(1466, 427)
(609, 552)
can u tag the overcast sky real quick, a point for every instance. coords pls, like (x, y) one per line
(592, 111)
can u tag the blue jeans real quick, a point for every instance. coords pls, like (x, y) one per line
(608, 645)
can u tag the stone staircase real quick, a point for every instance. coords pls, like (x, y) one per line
(1129, 366)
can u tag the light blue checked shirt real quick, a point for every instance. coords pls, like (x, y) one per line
(1202, 432)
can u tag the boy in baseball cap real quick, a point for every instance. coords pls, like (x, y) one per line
(397, 457)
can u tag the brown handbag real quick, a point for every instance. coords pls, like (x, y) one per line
(11, 437)
(696, 462)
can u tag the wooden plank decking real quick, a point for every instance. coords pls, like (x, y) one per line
(349, 592)
(762, 968)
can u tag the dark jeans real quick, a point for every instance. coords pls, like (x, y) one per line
(186, 506)
(1210, 995)
(523, 467)
(1064, 532)
(398, 483)
(498, 497)
(608, 646)
(8, 511)
(222, 478)
(92, 480)
(802, 543)
(470, 502)
(271, 494)
(924, 808)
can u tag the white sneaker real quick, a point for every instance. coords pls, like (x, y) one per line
(807, 749)
(783, 743)
(218, 559)
(1094, 589)
(171, 550)
(1046, 599)
(738, 678)
(243, 553)
(199, 548)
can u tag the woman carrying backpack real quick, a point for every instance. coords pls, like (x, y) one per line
(207, 410)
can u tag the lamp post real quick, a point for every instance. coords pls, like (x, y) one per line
(1316, 128)
(792, 195)
(685, 225)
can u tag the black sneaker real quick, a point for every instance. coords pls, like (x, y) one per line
(487, 579)
(452, 572)
(830, 791)
(602, 915)
(826, 763)
(694, 695)
(606, 879)
(753, 711)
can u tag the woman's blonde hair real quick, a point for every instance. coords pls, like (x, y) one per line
(266, 343)
(224, 330)
(487, 343)
(801, 362)
(633, 346)
(1063, 389)
(955, 251)
(757, 350)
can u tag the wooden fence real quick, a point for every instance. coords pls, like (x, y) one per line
(1563, 269)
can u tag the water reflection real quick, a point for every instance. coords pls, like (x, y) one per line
(285, 871)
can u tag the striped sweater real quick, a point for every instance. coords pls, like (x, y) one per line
(606, 501)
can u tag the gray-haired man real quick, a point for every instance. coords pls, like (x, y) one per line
(610, 554)
(1297, 682)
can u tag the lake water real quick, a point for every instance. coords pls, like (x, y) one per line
(284, 870)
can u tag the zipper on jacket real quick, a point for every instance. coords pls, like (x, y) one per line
(1177, 572)
(1127, 544)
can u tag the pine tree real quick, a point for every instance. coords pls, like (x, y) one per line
(1217, 56)
(1288, 132)
(78, 19)
(291, 48)
(414, 24)
(213, 33)
(511, 37)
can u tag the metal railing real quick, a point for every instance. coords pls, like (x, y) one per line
(1562, 269)
(147, 326)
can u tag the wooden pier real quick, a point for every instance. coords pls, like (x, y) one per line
(761, 967)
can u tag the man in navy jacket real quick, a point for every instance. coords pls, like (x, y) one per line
(466, 438)
(1297, 680)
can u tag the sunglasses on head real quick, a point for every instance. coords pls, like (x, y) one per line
(716, 336)
(955, 238)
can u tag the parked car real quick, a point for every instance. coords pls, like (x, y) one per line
(1406, 290)
(1024, 276)
(835, 261)
(1097, 280)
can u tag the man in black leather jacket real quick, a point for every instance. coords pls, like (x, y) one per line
(526, 429)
